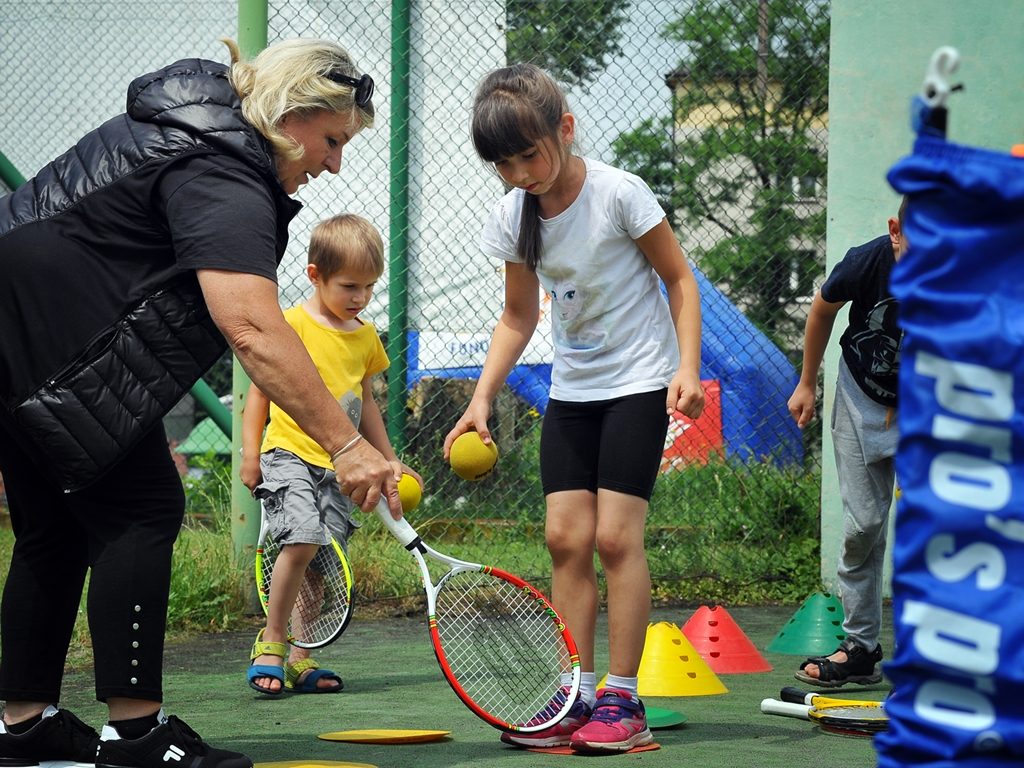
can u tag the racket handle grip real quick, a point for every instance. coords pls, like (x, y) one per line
(399, 528)
(796, 696)
(785, 708)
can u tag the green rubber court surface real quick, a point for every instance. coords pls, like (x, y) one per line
(392, 682)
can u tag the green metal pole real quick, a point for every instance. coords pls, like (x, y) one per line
(9, 175)
(208, 399)
(252, 26)
(398, 290)
(245, 510)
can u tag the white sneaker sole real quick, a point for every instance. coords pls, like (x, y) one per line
(522, 741)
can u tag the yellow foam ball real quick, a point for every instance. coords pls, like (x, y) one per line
(409, 492)
(471, 457)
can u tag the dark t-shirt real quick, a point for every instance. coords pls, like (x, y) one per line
(871, 342)
(220, 216)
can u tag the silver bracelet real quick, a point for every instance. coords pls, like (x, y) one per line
(346, 447)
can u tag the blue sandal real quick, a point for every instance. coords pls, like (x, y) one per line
(261, 648)
(292, 673)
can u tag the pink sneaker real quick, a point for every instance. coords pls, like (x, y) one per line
(618, 724)
(556, 735)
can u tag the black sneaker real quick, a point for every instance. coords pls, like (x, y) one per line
(59, 740)
(172, 743)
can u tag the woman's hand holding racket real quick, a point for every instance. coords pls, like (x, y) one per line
(366, 477)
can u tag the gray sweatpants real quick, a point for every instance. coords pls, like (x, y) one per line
(865, 452)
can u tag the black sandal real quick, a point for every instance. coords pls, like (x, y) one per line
(859, 667)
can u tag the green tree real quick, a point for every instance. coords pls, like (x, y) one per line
(747, 142)
(571, 40)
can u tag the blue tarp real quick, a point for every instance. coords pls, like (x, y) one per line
(756, 379)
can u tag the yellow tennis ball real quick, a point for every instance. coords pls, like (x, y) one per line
(471, 457)
(409, 492)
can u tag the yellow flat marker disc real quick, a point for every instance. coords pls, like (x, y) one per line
(313, 764)
(385, 736)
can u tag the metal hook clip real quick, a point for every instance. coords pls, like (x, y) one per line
(928, 109)
(936, 88)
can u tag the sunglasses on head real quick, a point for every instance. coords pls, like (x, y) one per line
(363, 86)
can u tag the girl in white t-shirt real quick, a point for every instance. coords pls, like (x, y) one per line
(598, 242)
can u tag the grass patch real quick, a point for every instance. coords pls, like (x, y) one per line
(723, 533)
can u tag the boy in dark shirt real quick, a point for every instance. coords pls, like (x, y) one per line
(864, 436)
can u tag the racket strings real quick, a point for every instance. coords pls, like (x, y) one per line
(324, 598)
(857, 717)
(503, 646)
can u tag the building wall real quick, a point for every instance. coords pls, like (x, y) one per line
(880, 52)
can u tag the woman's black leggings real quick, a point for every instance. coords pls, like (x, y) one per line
(123, 528)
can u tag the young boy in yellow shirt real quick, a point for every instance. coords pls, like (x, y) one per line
(290, 473)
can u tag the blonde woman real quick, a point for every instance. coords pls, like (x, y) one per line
(138, 256)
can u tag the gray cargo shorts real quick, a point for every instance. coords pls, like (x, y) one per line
(303, 502)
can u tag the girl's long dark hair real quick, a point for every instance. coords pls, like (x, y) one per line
(515, 108)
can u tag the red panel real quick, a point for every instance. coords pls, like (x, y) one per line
(692, 441)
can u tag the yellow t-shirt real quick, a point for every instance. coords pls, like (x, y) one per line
(344, 359)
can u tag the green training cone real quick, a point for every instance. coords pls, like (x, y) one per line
(816, 629)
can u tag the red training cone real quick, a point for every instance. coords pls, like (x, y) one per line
(722, 644)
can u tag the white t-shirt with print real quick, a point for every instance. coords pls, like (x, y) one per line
(613, 334)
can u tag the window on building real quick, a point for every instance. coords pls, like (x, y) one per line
(801, 274)
(805, 188)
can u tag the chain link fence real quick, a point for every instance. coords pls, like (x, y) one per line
(721, 105)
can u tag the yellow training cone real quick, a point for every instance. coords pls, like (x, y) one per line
(671, 666)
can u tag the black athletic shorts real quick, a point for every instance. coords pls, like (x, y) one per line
(614, 444)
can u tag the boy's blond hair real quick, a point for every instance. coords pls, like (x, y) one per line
(346, 241)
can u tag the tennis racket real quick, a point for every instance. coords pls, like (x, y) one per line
(323, 606)
(500, 645)
(851, 717)
(798, 696)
